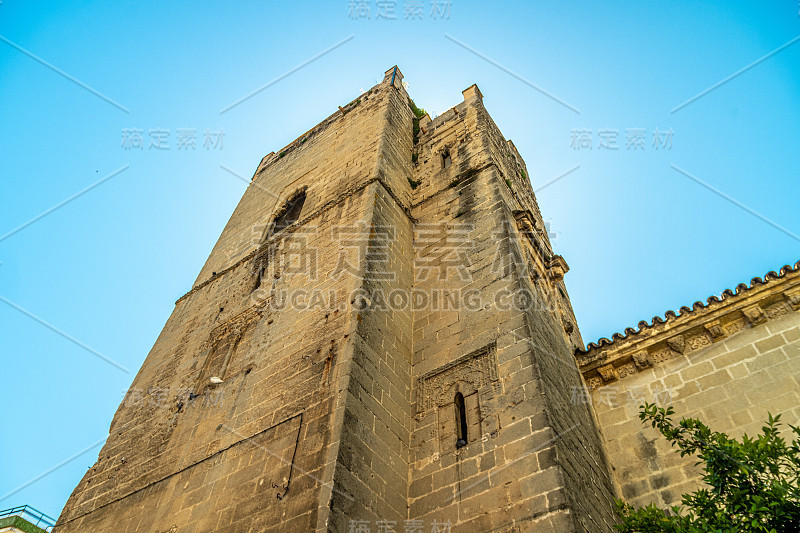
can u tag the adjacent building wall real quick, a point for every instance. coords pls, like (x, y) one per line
(729, 362)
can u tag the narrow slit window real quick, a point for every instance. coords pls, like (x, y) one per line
(259, 278)
(461, 421)
(446, 161)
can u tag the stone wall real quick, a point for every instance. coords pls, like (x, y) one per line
(729, 362)
(528, 464)
(271, 316)
(371, 473)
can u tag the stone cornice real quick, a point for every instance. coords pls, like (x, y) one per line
(691, 329)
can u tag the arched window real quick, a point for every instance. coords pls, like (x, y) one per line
(290, 213)
(461, 421)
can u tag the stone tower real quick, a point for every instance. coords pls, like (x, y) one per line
(381, 340)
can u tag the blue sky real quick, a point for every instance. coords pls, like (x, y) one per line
(641, 229)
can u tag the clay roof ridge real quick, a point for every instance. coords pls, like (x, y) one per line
(684, 311)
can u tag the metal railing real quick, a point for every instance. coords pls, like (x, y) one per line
(34, 516)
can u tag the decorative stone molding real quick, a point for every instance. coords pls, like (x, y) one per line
(699, 341)
(715, 329)
(553, 267)
(754, 314)
(626, 370)
(793, 297)
(642, 359)
(735, 326)
(677, 343)
(533, 272)
(475, 370)
(777, 310)
(556, 268)
(662, 354)
(691, 329)
(608, 373)
(525, 222)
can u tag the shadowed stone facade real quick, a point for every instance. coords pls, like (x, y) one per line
(381, 340)
(729, 362)
(370, 275)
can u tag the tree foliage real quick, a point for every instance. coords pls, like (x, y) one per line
(752, 483)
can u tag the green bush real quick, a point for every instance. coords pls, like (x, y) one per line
(752, 484)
